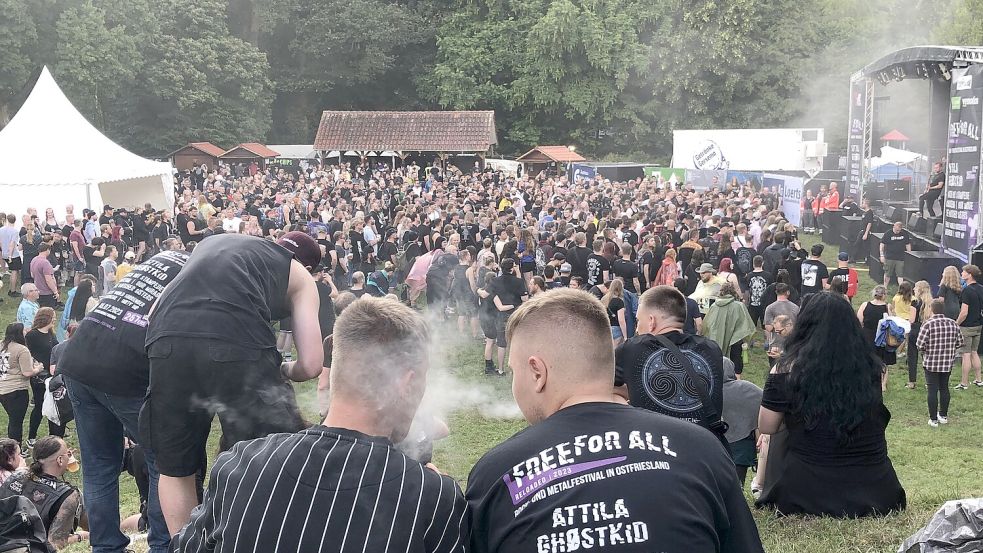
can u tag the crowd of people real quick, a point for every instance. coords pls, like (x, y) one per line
(641, 299)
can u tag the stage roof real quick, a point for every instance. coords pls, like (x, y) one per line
(910, 57)
(407, 131)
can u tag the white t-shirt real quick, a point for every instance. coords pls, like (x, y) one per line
(231, 225)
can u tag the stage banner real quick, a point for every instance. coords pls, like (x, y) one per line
(705, 180)
(789, 189)
(740, 178)
(855, 138)
(669, 174)
(962, 187)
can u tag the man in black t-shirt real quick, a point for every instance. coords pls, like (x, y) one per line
(578, 255)
(894, 244)
(815, 275)
(970, 321)
(598, 267)
(936, 183)
(626, 269)
(508, 291)
(589, 469)
(107, 391)
(757, 281)
(649, 376)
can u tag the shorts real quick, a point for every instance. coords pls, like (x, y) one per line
(527, 266)
(489, 325)
(971, 338)
(465, 307)
(893, 268)
(75, 264)
(502, 321)
(616, 333)
(14, 264)
(192, 380)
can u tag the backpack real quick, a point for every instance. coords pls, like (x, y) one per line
(21, 528)
(540, 260)
(377, 284)
(744, 260)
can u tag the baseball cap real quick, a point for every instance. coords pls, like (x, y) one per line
(566, 268)
(304, 248)
(129, 255)
(843, 256)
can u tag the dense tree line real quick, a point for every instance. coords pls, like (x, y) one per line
(611, 76)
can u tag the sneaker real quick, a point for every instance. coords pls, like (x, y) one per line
(13, 294)
(943, 420)
(30, 444)
(933, 424)
(978, 383)
(961, 387)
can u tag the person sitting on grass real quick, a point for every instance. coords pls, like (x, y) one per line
(825, 390)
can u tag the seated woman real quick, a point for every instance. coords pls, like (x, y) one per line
(58, 502)
(11, 460)
(826, 391)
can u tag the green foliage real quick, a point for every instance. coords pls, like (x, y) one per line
(18, 37)
(610, 76)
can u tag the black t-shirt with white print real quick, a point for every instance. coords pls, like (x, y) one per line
(609, 478)
(596, 265)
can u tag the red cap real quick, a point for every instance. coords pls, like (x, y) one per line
(304, 248)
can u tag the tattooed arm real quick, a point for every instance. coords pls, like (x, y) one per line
(61, 533)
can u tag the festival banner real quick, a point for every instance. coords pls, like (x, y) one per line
(790, 190)
(740, 178)
(579, 171)
(855, 138)
(705, 180)
(669, 174)
(962, 187)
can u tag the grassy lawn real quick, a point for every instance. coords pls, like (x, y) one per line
(934, 464)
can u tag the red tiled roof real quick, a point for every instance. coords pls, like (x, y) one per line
(204, 147)
(895, 136)
(560, 154)
(254, 148)
(407, 131)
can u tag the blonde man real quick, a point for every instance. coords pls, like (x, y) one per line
(343, 482)
(592, 470)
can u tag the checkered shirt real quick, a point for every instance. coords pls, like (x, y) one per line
(939, 341)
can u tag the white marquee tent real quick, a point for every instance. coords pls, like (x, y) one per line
(51, 156)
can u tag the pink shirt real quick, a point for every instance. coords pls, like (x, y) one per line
(40, 266)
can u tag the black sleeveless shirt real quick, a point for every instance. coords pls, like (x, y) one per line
(231, 289)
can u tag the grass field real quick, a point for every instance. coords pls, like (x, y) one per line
(934, 464)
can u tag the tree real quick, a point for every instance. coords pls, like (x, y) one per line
(198, 82)
(18, 39)
(96, 63)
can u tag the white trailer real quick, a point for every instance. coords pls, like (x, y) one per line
(749, 149)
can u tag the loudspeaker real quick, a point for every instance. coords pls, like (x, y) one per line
(899, 190)
(917, 223)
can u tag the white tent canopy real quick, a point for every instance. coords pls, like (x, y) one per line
(895, 156)
(51, 156)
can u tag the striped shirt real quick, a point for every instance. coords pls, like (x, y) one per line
(325, 490)
(939, 340)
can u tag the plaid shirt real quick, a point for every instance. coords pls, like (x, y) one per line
(939, 340)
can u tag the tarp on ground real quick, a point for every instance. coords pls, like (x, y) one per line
(51, 156)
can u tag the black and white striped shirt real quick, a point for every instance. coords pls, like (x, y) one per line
(325, 490)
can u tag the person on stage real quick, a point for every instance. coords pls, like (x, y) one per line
(932, 194)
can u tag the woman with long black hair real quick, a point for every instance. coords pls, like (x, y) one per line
(40, 341)
(826, 391)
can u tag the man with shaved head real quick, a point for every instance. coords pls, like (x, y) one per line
(590, 472)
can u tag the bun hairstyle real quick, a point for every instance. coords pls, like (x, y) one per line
(8, 451)
(44, 449)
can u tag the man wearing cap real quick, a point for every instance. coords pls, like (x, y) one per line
(212, 351)
(708, 288)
